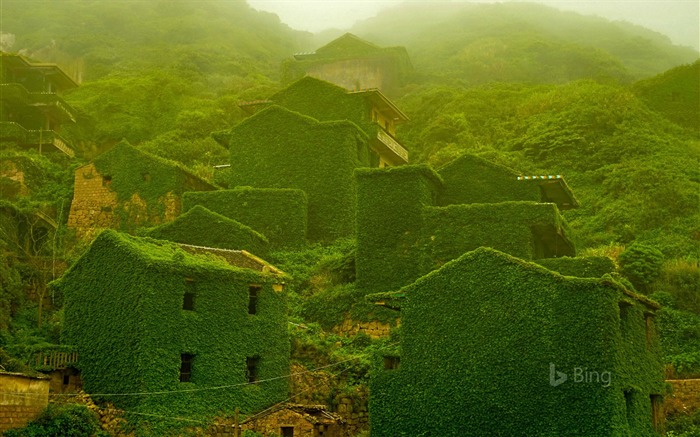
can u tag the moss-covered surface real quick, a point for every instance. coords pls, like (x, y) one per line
(471, 179)
(124, 313)
(582, 267)
(528, 230)
(389, 223)
(277, 148)
(479, 336)
(202, 227)
(402, 236)
(132, 171)
(280, 214)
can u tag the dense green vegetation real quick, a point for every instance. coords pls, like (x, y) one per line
(516, 319)
(610, 106)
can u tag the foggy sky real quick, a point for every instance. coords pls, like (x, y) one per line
(679, 19)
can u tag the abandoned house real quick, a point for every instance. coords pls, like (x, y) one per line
(31, 108)
(296, 420)
(353, 63)
(170, 323)
(375, 114)
(495, 345)
(202, 227)
(434, 217)
(124, 188)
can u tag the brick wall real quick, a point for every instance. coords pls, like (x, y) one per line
(373, 329)
(22, 399)
(95, 206)
(684, 398)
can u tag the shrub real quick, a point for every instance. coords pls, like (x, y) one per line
(69, 420)
(641, 264)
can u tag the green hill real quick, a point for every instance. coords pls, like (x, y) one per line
(516, 42)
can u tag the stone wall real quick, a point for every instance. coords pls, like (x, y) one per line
(10, 170)
(684, 397)
(373, 329)
(22, 399)
(353, 409)
(95, 206)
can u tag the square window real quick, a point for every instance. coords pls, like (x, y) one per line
(287, 431)
(392, 362)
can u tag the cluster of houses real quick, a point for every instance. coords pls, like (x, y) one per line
(503, 330)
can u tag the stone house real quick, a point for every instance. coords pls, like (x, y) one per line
(22, 399)
(125, 188)
(295, 420)
(31, 107)
(494, 345)
(353, 63)
(170, 323)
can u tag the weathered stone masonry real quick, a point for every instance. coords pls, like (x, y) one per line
(22, 399)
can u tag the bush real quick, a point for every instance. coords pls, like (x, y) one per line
(70, 420)
(641, 264)
(681, 280)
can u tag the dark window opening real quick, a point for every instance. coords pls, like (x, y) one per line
(106, 208)
(287, 431)
(188, 298)
(624, 314)
(252, 369)
(629, 404)
(392, 363)
(253, 292)
(106, 181)
(649, 325)
(66, 379)
(657, 417)
(186, 367)
(146, 177)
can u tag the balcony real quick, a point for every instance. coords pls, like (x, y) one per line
(390, 149)
(11, 131)
(17, 94)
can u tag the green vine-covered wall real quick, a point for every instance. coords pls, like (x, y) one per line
(580, 266)
(280, 214)
(401, 235)
(471, 179)
(528, 230)
(151, 177)
(202, 227)
(389, 222)
(124, 313)
(277, 148)
(479, 335)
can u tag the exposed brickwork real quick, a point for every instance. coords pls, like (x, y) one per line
(373, 329)
(353, 409)
(684, 398)
(22, 399)
(95, 206)
(9, 170)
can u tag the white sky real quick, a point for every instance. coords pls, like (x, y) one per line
(679, 19)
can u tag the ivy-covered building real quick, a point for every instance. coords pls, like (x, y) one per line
(124, 188)
(279, 214)
(493, 345)
(375, 114)
(176, 329)
(353, 63)
(31, 108)
(278, 148)
(202, 227)
(412, 219)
